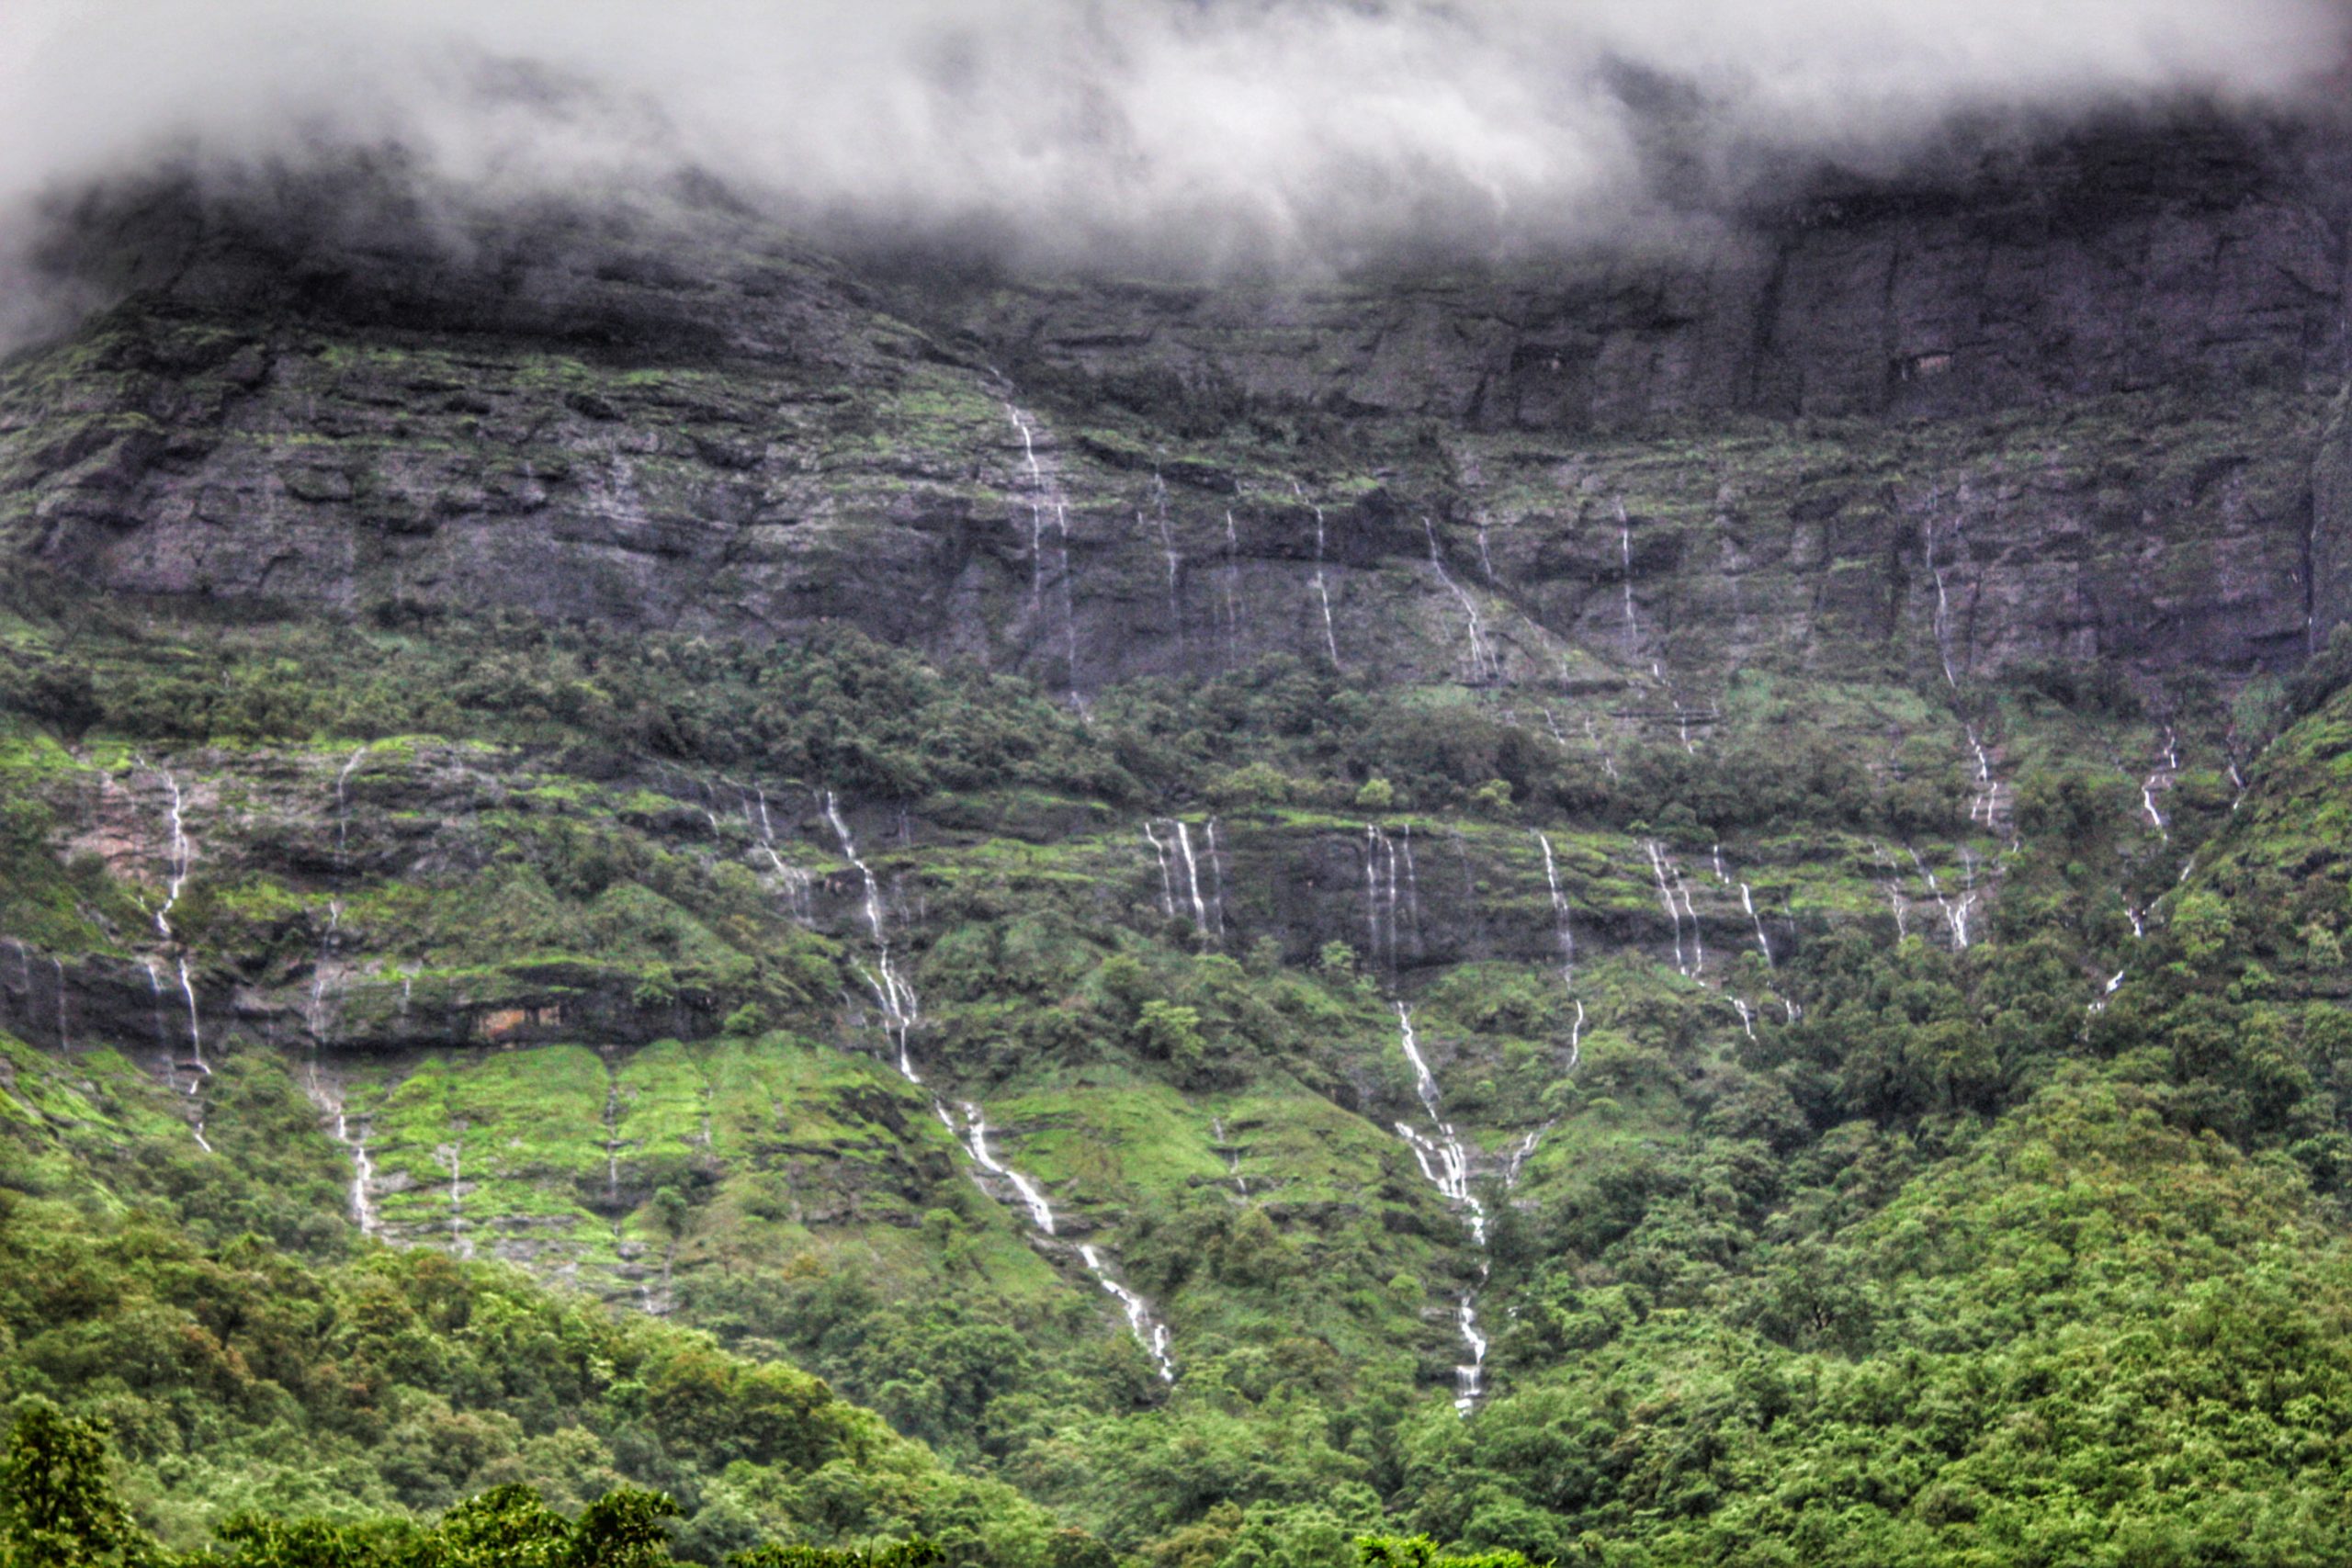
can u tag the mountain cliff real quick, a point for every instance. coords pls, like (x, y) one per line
(1179, 889)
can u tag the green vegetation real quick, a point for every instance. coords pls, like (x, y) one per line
(1920, 1253)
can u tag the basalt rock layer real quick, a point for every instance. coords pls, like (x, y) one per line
(2063, 407)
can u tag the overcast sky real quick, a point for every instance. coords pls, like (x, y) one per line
(1214, 130)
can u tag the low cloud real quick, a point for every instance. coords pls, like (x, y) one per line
(1186, 134)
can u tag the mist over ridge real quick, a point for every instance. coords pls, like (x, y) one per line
(1181, 138)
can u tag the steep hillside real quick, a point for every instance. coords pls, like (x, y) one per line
(1600, 913)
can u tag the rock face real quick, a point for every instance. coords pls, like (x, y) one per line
(2065, 409)
(2332, 523)
(2110, 263)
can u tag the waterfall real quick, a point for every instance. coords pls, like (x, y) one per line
(1484, 666)
(1955, 916)
(1681, 714)
(1671, 887)
(1193, 878)
(1045, 493)
(1988, 789)
(2161, 778)
(1148, 1329)
(1519, 1152)
(1232, 1156)
(1747, 1017)
(1698, 937)
(1412, 884)
(1444, 1163)
(182, 854)
(59, 965)
(901, 1012)
(1576, 1039)
(1322, 589)
(1444, 1160)
(342, 807)
(1175, 561)
(458, 1241)
(1625, 556)
(1486, 562)
(1665, 901)
(195, 1031)
(1748, 902)
(1172, 845)
(1469, 1378)
(1167, 870)
(361, 1205)
(1894, 892)
(1149, 1333)
(1608, 763)
(2114, 984)
(156, 1006)
(1943, 602)
(1036, 509)
(1559, 914)
(901, 1009)
(1380, 896)
(975, 1139)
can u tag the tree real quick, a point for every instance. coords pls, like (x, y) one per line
(56, 1502)
(624, 1529)
(916, 1552)
(1420, 1552)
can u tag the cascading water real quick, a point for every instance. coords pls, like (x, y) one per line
(901, 1009)
(1175, 561)
(1412, 884)
(1322, 588)
(183, 855)
(1141, 1321)
(1159, 850)
(1485, 666)
(2161, 778)
(1470, 1377)
(1625, 557)
(1044, 495)
(362, 1203)
(1748, 902)
(1893, 891)
(1380, 888)
(1444, 1163)
(1943, 602)
(1232, 1156)
(1566, 936)
(1665, 901)
(1180, 875)
(975, 1139)
(1607, 761)
(1986, 805)
(901, 1012)
(1955, 915)
(1036, 508)
(1149, 1333)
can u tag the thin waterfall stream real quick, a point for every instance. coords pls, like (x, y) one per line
(901, 1012)
(1444, 1163)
